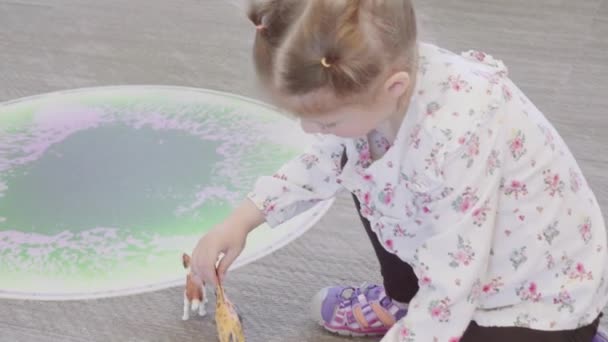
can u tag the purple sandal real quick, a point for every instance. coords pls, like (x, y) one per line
(364, 311)
(350, 311)
(601, 336)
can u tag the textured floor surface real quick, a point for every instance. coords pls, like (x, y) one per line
(557, 51)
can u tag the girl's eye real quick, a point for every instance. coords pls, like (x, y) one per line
(328, 125)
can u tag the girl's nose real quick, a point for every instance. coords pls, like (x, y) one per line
(309, 127)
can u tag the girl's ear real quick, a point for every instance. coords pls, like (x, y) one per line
(398, 84)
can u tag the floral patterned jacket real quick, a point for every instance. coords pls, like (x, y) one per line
(478, 193)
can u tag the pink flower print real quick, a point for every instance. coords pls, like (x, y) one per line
(551, 232)
(367, 197)
(309, 160)
(532, 288)
(425, 281)
(517, 145)
(506, 93)
(407, 335)
(466, 201)
(464, 254)
(367, 211)
(367, 177)
(415, 137)
(478, 55)
(575, 181)
(585, 230)
(493, 162)
(456, 84)
(518, 257)
(389, 244)
(493, 287)
(471, 149)
(480, 215)
(515, 188)
(580, 273)
(432, 108)
(549, 138)
(365, 157)
(399, 231)
(440, 310)
(454, 339)
(486, 288)
(386, 195)
(528, 292)
(269, 205)
(565, 301)
(553, 184)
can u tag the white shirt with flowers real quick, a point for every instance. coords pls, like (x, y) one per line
(478, 193)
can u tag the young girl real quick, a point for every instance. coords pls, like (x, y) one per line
(484, 226)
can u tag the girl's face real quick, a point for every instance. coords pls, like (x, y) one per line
(356, 120)
(350, 121)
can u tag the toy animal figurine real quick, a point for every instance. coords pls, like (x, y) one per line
(229, 327)
(195, 297)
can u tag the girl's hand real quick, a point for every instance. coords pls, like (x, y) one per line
(222, 239)
(227, 239)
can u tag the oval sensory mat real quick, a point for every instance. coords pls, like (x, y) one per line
(102, 189)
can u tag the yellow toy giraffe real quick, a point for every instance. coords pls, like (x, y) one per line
(229, 327)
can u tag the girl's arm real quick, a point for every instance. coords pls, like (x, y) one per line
(301, 183)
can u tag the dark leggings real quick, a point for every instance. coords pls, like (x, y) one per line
(401, 284)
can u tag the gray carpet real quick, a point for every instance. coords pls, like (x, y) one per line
(557, 52)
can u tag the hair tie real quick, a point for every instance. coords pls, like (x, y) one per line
(324, 63)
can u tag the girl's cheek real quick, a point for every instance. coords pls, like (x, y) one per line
(309, 128)
(347, 132)
(353, 131)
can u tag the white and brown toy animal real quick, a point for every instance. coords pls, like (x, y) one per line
(195, 297)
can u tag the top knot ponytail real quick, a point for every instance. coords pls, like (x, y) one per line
(339, 46)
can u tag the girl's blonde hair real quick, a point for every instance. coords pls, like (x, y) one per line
(340, 47)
